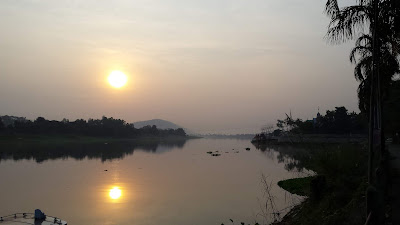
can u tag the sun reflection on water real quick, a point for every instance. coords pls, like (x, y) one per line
(115, 193)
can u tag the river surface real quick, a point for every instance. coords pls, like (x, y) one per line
(161, 183)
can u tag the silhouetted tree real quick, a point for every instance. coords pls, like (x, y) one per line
(362, 56)
(337, 121)
(106, 127)
(392, 110)
(1, 125)
(180, 132)
(347, 22)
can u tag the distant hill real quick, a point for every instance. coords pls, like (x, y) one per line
(160, 124)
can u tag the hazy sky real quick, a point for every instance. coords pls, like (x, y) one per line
(225, 66)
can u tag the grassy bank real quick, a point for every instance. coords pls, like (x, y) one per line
(337, 194)
(298, 186)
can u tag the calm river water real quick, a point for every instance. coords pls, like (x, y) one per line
(153, 183)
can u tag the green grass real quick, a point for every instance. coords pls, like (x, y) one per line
(298, 186)
(343, 197)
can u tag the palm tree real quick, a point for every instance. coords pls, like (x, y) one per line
(347, 22)
(362, 56)
(375, 53)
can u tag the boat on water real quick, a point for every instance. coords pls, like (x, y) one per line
(37, 218)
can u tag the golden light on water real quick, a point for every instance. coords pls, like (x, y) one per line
(117, 79)
(115, 193)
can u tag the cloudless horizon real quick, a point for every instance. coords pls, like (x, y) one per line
(227, 66)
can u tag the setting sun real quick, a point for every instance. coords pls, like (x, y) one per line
(117, 79)
(115, 193)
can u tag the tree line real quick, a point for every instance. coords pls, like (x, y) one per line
(337, 121)
(104, 127)
(341, 121)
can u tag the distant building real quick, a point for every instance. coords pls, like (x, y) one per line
(315, 120)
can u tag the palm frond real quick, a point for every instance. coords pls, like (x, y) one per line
(347, 23)
(359, 51)
(362, 49)
(331, 7)
(363, 68)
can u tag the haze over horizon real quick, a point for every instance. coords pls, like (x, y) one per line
(227, 66)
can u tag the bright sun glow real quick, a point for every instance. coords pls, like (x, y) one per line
(117, 79)
(115, 193)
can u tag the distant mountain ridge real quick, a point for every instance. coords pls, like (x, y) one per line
(160, 124)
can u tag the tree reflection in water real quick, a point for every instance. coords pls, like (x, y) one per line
(41, 152)
(295, 158)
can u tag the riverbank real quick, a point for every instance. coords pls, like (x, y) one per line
(60, 139)
(289, 138)
(323, 138)
(337, 194)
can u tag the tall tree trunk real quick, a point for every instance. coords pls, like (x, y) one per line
(373, 97)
